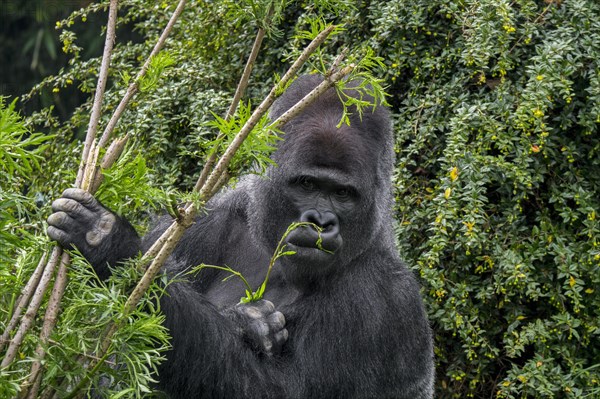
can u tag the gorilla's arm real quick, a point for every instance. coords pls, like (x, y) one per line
(210, 357)
(240, 334)
(101, 236)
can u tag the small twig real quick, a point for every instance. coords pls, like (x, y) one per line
(113, 153)
(220, 183)
(310, 97)
(243, 84)
(23, 300)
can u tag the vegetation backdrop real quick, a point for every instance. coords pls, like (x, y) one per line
(496, 108)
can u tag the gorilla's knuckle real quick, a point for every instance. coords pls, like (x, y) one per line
(94, 237)
(281, 336)
(56, 234)
(252, 312)
(266, 305)
(106, 222)
(276, 320)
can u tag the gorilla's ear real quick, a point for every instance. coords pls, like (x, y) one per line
(299, 88)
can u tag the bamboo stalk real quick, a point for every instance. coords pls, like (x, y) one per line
(114, 151)
(100, 87)
(35, 377)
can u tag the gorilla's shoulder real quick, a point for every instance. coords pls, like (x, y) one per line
(230, 204)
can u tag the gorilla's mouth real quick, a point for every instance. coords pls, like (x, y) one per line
(305, 240)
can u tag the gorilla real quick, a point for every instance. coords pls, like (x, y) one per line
(341, 320)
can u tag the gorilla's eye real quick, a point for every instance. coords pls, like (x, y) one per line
(306, 183)
(343, 193)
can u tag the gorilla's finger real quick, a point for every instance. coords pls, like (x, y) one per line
(72, 208)
(61, 220)
(281, 337)
(264, 306)
(81, 196)
(58, 235)
(251, 312)
(267, 345)
(276, 321)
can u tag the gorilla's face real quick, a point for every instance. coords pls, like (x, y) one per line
(323, 177)
(334, 176)
(325, 200)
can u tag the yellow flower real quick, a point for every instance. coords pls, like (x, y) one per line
(454, 173)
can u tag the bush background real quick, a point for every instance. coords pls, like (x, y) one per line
(496, 108)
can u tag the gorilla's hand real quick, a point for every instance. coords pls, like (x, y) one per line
(102, 237)
(261, 326)
(80, 220)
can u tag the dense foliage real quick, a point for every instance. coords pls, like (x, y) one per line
(497, 114)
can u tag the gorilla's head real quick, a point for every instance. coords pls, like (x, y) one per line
(335, 177)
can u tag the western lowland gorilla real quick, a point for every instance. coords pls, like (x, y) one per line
(343, 322)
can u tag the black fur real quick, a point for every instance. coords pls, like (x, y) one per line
(355, 326)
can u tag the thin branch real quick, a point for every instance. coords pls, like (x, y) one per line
(35, 377)
(134, 86)
(100, 87)
(208, 186)
(311, 97)
(241, 88)
(110, 157)
(243, 84)
(34, 305)
(23, 300)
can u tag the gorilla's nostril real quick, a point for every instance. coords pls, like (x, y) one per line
(327, 220)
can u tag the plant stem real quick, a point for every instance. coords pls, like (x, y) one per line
(23, 300)
(241, 88)
(134, 86)
(262, 109)
(34, 305)
(100, 87)
(35, 377)
(310, 97)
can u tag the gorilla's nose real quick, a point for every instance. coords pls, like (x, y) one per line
(328, 221)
